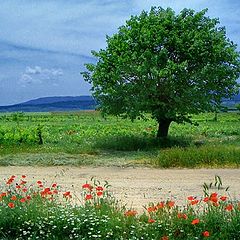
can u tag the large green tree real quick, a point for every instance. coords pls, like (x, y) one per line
(166, 64)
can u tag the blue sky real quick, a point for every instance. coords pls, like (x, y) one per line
(44, 44)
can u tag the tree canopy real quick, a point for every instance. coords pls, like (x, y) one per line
(166, 64)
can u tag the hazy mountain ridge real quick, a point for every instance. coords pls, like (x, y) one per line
(49, 100)
(69, 103)
(48, 104)
(237, 97)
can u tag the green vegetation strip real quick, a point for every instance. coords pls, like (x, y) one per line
(37, 211)
(85, 138)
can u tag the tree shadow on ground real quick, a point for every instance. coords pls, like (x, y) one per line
(138, 143)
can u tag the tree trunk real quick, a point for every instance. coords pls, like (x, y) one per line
(163, 127)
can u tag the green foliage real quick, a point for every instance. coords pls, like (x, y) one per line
(166, 64)
(19, 135)
(15, 133)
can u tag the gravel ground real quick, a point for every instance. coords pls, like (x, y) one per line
(135, 187)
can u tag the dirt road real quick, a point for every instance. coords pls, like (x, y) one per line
(134, 186)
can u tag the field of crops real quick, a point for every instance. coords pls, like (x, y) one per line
(82, 138)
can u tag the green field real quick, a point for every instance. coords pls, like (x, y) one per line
(86, 138)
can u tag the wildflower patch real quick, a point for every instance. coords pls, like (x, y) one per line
(34, 210)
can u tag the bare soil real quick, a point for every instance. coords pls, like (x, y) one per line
(135, 187)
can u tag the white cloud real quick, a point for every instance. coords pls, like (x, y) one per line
(39, 75)
(35, 70)
(57, 72)
(26, 79)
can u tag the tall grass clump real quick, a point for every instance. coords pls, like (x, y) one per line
(203, 156)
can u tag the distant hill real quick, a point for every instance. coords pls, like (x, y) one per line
(237, 97)
(68, 103)
(230, 103)
(51, 104)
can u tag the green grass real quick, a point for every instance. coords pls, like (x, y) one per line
(85, 138)
(203, 156)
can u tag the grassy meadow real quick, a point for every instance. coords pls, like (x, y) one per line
(86, 138)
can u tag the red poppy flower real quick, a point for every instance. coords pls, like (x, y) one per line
(55, 191)
(43, 194)
(151, 209)
(88, 197)
(214, 194)
(54, 185)
(170, 203)
(223, 198)
(10, 181)
(24, 189)
(23, 176)
(214, 197)
(99, 194)
(67, 194)
(39, 182)
(150, 220)
(194, 202)
(182, 215)
(206, 199)
(18, 187)
(28, 197)
(23, 182)
(11, 205)
(190, 198)
(99, 188)
(130, 213)
(165, 238)
(206, 234)
(87, 186)
(47, 190)
(22, 200)
(229, 207)
(195, 221)
(13, 198)
(160, 205)
(4, 194)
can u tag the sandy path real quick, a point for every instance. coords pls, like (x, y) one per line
(134, 186)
